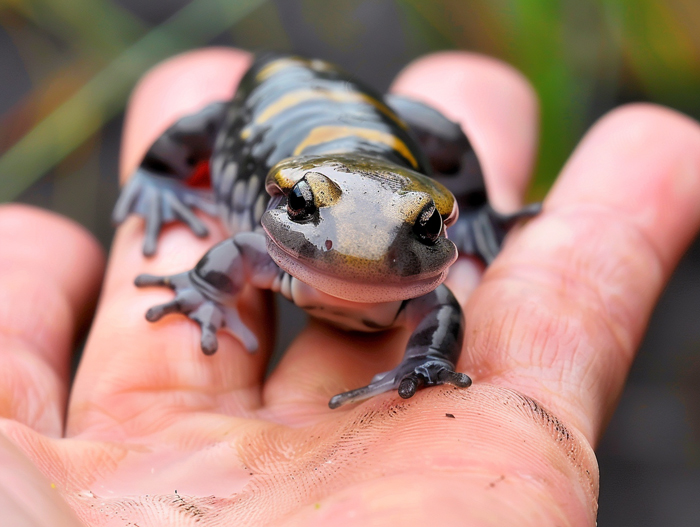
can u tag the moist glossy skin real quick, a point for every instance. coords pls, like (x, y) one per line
(360, 244)
(325, 189)
(289, 107)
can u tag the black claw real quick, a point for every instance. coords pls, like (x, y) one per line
(149, 245)
(335, 402)
(159, 311)
(407, 389)
(409, 385)
(461, 380)
(209, 343)
(154, 314)
(200, 231)
(146, 280)
(532, 209)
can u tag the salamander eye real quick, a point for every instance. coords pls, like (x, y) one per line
(300, 202)
(428, 226)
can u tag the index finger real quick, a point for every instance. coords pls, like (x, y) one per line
(133, 373)
(561, 312)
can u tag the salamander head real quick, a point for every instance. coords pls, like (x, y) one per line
(359, 228)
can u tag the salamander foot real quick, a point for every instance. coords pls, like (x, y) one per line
(481, 233)
(194, 301)
(407, 377)
(160, 200)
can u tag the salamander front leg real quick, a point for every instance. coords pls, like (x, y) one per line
(207, 294)
(211, 312)
(431, 353)
(166, 186)
(160, 200)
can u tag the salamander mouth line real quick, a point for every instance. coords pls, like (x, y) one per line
(282, 254)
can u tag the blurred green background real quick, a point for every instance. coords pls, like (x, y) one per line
(67, 67)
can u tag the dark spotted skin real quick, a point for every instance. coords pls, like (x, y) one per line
(325, 187)
(278, 104)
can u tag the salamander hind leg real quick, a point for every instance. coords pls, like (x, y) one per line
(479, 230)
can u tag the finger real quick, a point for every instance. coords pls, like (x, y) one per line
(496, 107)
(50, 272)
(561, 312)
(469, 88)
(498, 111)
(173, 89)
(135, 376)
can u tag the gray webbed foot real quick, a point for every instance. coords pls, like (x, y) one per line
(407, 377)
(159, 200)
(192, 300)
(482, 232)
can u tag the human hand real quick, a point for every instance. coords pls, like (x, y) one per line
(156, 433)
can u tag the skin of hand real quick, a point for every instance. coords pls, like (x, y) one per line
(153, 432)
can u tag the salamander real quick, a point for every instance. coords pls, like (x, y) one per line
(351, 204)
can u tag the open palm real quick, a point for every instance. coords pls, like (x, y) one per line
(153, 432)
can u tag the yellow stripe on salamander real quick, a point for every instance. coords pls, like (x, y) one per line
(323, 134)
(291, 99)
(280, 64)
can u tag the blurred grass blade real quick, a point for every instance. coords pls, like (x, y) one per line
(97, 28)
(538, 38)
(103, 96)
